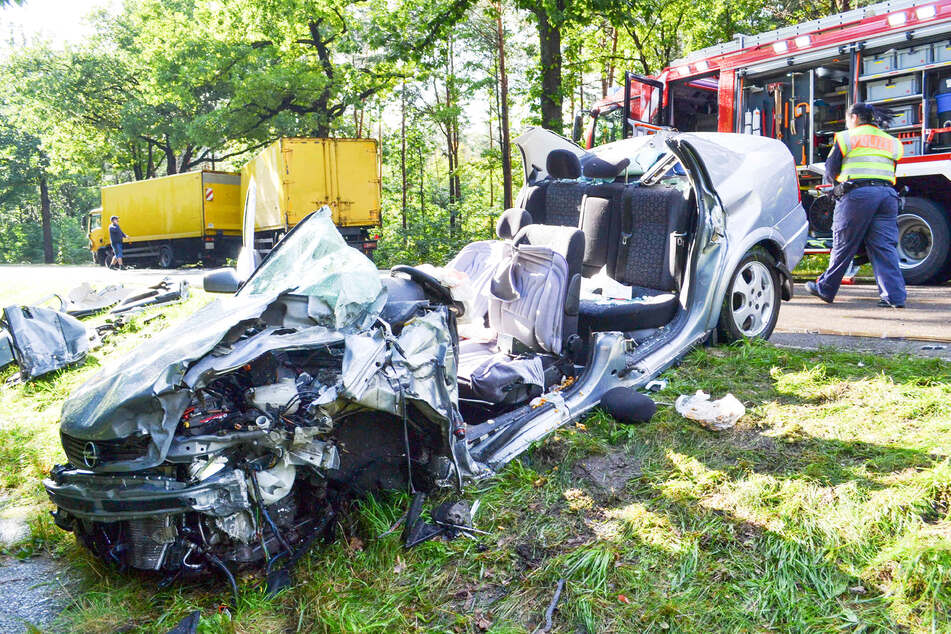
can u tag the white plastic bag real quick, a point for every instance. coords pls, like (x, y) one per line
(715, 415)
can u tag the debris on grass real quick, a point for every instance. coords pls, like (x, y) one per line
(714, 415)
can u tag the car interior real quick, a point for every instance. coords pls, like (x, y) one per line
(592, 246)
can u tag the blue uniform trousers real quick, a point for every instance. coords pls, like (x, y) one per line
(870, 215)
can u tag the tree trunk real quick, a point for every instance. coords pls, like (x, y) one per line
(403, 155)
(47, 220)
(171, 162)
(549, 40)
(422, 193)
(505, 144)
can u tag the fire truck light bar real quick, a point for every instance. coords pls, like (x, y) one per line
(926, 12)
(897, 19)
(780, 47)
(803, 41)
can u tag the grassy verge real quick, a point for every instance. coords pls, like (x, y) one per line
(812, 266)
(826, 508)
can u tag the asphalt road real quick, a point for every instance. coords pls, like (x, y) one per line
(926, 316)
(26, 284)
(853, 321)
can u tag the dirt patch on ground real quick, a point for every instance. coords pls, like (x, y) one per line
(32, 592)
(751, 440)
(608, 473)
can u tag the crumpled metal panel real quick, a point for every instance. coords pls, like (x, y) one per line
(377, 366)
(342, 285)
(147, 391)
(44, 339)
(247, 350)
(144, 392)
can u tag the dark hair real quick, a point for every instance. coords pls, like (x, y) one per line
(114, 218)
(875, 115)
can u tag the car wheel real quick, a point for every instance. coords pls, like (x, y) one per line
(923, 241)
(166, 258)
(751, 305)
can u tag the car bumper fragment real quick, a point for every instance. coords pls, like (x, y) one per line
(111, 498)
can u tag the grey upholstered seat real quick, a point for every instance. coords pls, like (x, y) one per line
(532, 308)
(478, 260)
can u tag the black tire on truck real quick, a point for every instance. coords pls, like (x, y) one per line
(104, 256)
(166, 257)
(924, 239)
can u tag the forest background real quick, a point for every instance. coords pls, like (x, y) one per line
(166, 86)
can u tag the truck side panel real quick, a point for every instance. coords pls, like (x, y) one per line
(221, 195)
(267, 169)
(156, 209)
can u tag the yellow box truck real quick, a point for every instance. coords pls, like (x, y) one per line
(296, 176)
(171, 220)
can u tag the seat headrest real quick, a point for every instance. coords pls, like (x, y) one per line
(511, 222)
(568, 241)
(563, 164)
(597, 167)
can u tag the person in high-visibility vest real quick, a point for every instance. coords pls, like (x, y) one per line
(862, 166)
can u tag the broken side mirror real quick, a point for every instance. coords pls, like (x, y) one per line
(221, 281)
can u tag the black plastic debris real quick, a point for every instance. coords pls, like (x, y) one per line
(165, 292)
(627, 405)
(44, 340)
(188, 625)
(449, 520)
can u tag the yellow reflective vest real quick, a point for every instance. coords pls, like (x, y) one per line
(868, 152)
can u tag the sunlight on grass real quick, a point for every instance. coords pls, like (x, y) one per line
(825, 508)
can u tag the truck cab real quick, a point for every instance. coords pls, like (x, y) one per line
(794, 84)
(97, 234)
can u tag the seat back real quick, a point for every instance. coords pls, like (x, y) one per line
(478, 260)
(534, 296)
(600, 222)
(653, 225)
(565, 194)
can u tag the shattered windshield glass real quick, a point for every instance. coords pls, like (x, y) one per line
(642, 151)
(342, 284)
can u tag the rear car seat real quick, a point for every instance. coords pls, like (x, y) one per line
(646, 246)
(533, 309)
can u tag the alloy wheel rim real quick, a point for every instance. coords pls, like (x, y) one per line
(752, 299)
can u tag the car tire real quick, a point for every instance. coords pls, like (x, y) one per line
(750, 307)
(924, 239)
(166, 257)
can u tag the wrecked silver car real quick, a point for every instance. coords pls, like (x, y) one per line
(232, 439)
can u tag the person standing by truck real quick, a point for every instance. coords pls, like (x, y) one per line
(862, 166)
(115, 237)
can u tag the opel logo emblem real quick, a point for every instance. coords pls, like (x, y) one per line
(90, 455)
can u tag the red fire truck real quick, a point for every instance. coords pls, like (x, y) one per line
(795, 84)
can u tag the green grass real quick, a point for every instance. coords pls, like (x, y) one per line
(811, 266)
(826, 508)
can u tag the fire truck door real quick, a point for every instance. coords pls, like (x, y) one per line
(643, 101)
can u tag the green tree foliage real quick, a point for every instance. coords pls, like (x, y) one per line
(165, 86)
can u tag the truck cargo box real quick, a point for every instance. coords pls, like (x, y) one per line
(185, 205)
(296, 176)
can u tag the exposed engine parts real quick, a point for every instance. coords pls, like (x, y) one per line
(261, 456)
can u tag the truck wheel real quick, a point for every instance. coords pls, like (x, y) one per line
(166, 257)
(923, 241)
(750, 307)
(104, 256)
